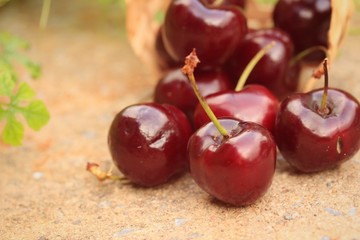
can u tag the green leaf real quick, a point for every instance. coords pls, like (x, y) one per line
(11, 42)
(11, 47)
(34, 69)
(6, 67)
(36, 114)
(25, 92)
(159, 16)
(13, 132)
(13, 102)
(7, 84)
(2, 113)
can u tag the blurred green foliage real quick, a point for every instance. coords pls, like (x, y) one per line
(18, 98)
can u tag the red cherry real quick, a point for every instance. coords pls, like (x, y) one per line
(148, 142)
(273, 70)
(237, 170)
(254, 103)
(163, 58)
(307, 22)
(214, 31)
(311, 141)
(174, 88)
(318, 130)
(233, 161)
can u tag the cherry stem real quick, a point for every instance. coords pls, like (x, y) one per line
(323, 106)
(306, 52)
(94, 168)
(190, 63)
(45, 11)
(251, 65)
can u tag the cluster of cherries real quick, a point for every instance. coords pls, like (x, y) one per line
(225, 133)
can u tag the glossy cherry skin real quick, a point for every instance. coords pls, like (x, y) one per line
(238, 170)
(214, 32)
(163, 58)
(273, 70)
(174, 88)
(254, 103)
(148, 142)
(307, 22)
(311, 141)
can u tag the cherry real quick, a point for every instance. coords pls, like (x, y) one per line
(232, 160)
(214, 31)
(320, 129)
(237, 169)
(162, 56)
(307, 22)
(254, 103)
(148, 142)
(174, 88)
(273, 70)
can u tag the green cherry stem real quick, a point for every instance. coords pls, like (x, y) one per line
(190, 63)
(45, 13)
(323, 106)
(250, 66)
(306, 52)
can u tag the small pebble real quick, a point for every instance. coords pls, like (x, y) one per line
(352, 211)
(180, 221)
(291, 216)
(288, 217)
(123, 232)
(329, 184)
(195, 235)
(89, 134)
(77, 222)
(104, 204)
(37, 175)
(333, 212)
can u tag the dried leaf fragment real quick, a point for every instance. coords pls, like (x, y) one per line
(341, 13)
(94, 168)
(142, 26)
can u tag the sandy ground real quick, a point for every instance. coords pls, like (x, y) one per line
(90, 73)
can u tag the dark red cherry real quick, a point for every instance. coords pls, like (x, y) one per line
(254, 103)
(318, 130)
(238, 169)
(215, 32)
(273, 70)
(148, 142)
(174, 88)
(311, 141)
(163, 58)
(307, 22)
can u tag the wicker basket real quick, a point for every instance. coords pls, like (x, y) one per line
(142, 26)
